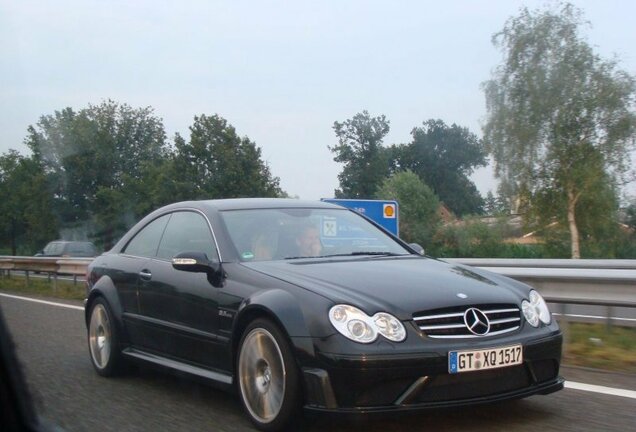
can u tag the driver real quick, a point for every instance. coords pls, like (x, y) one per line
(308, 241)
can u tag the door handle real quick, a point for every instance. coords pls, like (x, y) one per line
(145, 275)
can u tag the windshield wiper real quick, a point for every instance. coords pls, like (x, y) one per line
(378, 253)
(372, 253)
(356, 253)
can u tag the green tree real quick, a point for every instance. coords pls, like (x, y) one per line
(26, 219)
(444, 157)
(159, 186)
(217, 163)
(497, 204)
(93, 159)
(627, 244)
(418, 206)
(490, 204)
(597, 220)
(560, 118)
(630, 216)
(360, 150)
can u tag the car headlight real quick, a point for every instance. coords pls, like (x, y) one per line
(536, 309)
(354, 324)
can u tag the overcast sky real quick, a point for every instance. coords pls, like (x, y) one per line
(281, 72)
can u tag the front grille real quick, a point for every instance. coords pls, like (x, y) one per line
(448, 323)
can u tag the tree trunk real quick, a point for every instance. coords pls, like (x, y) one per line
(574, 230)
(14, 244)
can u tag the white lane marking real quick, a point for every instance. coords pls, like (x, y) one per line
(596, 317)
(42, 301)
(600, 389)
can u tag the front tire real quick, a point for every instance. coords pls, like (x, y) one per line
(268, 378)
(103, 340)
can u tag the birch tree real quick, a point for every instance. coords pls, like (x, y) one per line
(560, 119)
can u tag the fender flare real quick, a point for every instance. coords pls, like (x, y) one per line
(105, 288)
(281, 307)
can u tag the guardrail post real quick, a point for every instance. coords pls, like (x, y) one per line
(563, 322)
(26, 273)
(54, 282)
(609, 311)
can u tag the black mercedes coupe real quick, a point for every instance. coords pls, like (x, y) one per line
(307, 305)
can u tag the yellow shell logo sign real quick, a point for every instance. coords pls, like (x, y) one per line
(389, 211)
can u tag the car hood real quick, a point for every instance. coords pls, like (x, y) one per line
(399, 285)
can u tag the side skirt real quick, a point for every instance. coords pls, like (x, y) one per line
(217, 377)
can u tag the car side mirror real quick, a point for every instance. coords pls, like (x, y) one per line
(417, 248)
(198, 262)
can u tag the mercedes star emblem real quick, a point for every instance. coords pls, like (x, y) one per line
(476, 322)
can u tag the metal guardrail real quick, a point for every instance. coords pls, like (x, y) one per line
(565, 283)
(51, 266)
(72, 266)
(548, 263)
(609, 283)
(590, 282)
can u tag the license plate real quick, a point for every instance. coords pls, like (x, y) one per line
(473, 360)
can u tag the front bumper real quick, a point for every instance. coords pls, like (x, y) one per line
(402, 382)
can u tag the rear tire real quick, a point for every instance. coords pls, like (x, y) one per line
(103, 340)
(268, 377)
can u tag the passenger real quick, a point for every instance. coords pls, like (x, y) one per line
(308, 242)
(263, 246)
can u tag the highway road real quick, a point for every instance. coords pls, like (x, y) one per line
(51, 345)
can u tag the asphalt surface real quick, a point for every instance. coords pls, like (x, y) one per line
(51, 345)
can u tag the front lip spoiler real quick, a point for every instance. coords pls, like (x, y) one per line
(541, 389)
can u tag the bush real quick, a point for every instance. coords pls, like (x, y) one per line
(473, 238)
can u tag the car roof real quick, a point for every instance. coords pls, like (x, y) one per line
(254, 203)
(70, 241)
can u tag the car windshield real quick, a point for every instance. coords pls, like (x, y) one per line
(295, 233)
(54, 248)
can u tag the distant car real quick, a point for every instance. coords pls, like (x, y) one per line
(298, 304)
(62, 248)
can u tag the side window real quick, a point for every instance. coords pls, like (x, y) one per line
(146, 242)
(187, 232)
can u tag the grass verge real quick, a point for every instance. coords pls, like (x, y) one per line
(593, 345)
(42, 287)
